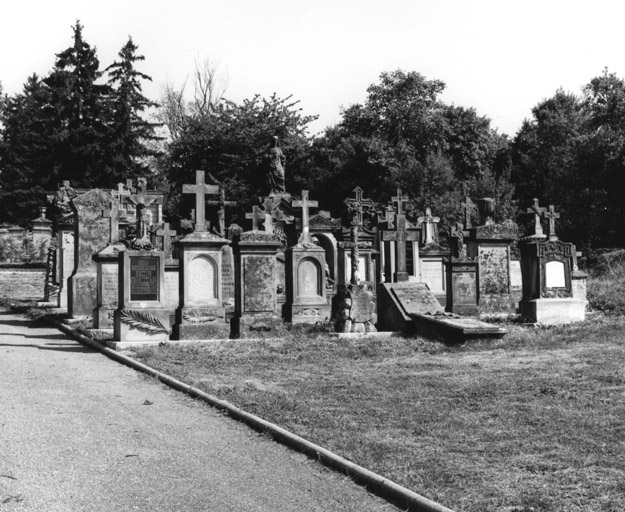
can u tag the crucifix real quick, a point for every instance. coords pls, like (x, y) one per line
(400, 236)
(200, 189)
(538, 212)
(429, 222)
(552, 215)
(141, 201)
(357, 207)
(113, 214)
(221, 203)
(399, 201)
(305, 204)
(256, 216)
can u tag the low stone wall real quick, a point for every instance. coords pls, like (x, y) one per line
(25, 281)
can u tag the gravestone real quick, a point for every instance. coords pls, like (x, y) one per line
(306, 300)
(107, 263)
(65, 266)
(256, 307)
(414, 309)
(92, 232)
(141, 315)
(554, 289)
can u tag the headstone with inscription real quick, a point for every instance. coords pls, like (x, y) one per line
(141, 315)
(107, 262)
(65, 262)
(554, 290)
(92, 232)
(306, 300)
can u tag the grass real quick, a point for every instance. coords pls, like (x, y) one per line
(534, 422)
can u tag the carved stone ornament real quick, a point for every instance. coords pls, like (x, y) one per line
(200, 316)
(259, 236)
(143, 321)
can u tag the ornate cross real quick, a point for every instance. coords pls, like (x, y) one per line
(400, 236)
(305, 204)
(113, 215)
(141, 201)
(552, 215)
(538, 212)
(399, 201)
(256, 216)
(357, 207)
(200, 189)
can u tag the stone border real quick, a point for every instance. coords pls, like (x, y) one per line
(374, 483)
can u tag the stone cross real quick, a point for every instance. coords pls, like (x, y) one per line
(429, 222)
(356, 207)
(167, 235)
(305, 204)
(113, 215)
(221, 203)
(256, 215)
(399, 201)
(552, 215)
(400, 235)
(200, 189)
(468, 207)
(538, 212)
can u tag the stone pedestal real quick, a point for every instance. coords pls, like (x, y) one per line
(141, 315)
(256, 307)
(306, 292)
(462, 287)
(201, 314)
(107, 263)
(553, 311)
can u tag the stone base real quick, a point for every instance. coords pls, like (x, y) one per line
(309, 313)
(103, 318)
(201, 331)
(553, 311)
(256, 326)
(149, 324)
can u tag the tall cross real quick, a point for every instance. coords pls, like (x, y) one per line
(468, 207)
(305, 204)
(399, 201)
(538, 212)
(400, 236)
(256, 216)
(356, 207)
(167, 235)
(113, 214)
(552, 215)
(141, 201)
(429, 221)
(200, 189)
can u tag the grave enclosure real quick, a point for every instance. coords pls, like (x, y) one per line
(112, 257)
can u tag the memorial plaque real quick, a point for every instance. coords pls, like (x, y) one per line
(172, 293)
(554, 274)
(109, 285)
(432, 274)
(308, 279)
(493, 265)
(258, 283)
(464, 288)
(67, 255)
(363, 306)
(200, 280)
(417, 298)
(227, 274)
(144, 278)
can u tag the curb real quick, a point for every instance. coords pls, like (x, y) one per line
(377, 484)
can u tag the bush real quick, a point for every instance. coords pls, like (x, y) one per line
(606, 282)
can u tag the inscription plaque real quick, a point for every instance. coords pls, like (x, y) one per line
(258, 291)
(109, 285)
(308, 279)
(516, 280)
(432, 274)
(201, 280)
(554, 274)
(144, 278)
(417, 299)
(464, 288)
(493, 269)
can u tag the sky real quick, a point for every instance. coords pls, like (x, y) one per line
(500, 57)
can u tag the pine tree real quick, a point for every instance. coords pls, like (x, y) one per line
(130, 133)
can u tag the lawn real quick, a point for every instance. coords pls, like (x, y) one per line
(533, 422)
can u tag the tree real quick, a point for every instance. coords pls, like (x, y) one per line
(129, 132)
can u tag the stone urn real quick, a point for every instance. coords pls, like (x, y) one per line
(486, 207)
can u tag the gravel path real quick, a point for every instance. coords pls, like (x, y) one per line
(79, 432)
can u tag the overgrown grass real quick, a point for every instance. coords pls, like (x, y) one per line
(532, 422)
(606, 283)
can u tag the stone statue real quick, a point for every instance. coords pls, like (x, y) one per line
(275, 159)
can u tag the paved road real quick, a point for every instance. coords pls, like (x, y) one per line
(79, 432)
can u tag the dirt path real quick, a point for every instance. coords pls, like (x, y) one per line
(79, 432)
